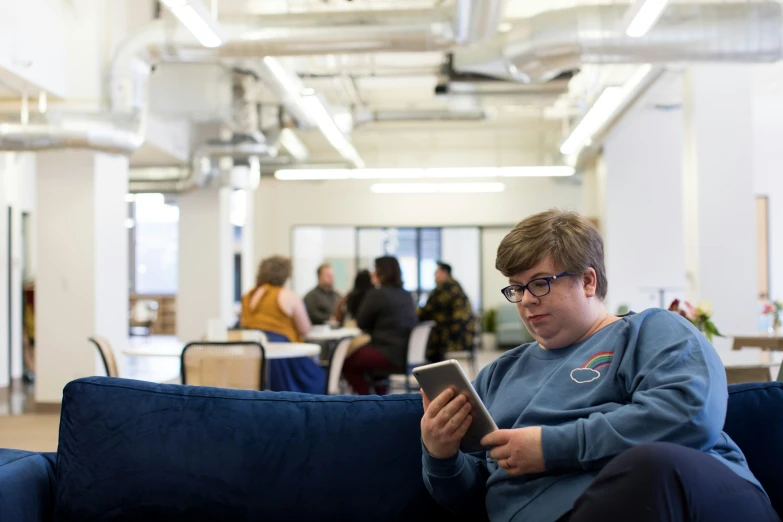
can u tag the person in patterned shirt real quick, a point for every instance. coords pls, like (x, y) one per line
(450, 308)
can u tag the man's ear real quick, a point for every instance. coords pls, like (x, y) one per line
(590, 281)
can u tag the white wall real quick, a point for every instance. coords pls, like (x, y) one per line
(280, 205)
(491, 279)
(643, 215)
(461, 248)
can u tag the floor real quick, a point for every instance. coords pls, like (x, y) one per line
(21, 427)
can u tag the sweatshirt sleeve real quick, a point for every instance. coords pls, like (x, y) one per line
(677, 393)
(459, 483)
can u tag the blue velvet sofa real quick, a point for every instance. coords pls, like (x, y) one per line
(135, 451)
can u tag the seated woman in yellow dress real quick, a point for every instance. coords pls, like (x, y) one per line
(281, 314)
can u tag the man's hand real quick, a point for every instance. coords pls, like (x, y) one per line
(518, 451)
(446, 420)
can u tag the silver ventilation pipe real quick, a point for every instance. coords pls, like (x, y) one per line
(542, 47)
(365, 117)
(477, 20)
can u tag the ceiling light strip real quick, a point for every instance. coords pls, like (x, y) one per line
(643, 15)
(429, 173)
(437, 188)
(195, 16)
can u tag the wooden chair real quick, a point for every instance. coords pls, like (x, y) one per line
(107, 355)
(239, 365)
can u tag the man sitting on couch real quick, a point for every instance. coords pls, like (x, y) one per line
(603, 417)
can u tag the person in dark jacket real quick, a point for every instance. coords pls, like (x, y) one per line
(449, 307)
(388, 315)
(322, 300)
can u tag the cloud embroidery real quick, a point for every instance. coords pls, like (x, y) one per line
(584, 375)
(588, 372)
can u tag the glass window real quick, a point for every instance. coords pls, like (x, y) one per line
(156, 245)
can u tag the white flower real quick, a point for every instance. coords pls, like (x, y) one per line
(704, 309)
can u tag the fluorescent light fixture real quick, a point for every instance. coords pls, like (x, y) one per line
(604, 108)
(436, 188)
(441, 173)
(316, 109)
(643, 15)
(197, 19)
(293, 145)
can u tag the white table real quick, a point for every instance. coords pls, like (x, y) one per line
(321, 335)
(271, 350)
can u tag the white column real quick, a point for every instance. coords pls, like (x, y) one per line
(249, 261)
(720, 228)
(82, 278)
(206, 264)
(642, 202)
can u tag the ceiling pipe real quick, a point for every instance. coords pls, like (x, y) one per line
(542, 47)
(477, 20)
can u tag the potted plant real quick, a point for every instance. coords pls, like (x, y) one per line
(489, 328)
(700, 316)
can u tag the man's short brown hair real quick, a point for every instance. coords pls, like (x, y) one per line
(571, 240)
(274, 271)
(321, 268)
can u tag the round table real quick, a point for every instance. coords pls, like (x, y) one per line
(271, 350)
(321, 335)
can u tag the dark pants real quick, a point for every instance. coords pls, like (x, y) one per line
(670, 483)
(361, 364)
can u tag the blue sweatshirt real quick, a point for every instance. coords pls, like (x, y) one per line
(650, 377)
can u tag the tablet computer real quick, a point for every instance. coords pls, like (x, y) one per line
(436, 378)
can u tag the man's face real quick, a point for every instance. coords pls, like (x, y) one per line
(560, 318)
(440, 275)
(327, 277)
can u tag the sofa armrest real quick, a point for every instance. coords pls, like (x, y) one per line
(26, 486)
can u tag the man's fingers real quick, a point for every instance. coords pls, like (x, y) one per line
(500, 453)
(456, 420)
(464, 427)
(439, 402)
(496, 438)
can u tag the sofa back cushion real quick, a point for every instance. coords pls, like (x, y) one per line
(131, 450)
(754, 421)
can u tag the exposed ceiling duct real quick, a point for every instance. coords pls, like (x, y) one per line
(113, 134)
(364, 117)
(477, 20)
(544, 46)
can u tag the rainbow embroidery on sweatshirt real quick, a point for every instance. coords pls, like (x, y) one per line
(599, 360)
(588, 372)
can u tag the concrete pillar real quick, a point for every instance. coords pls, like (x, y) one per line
(719, 199)
(206, 261)
(82, 280)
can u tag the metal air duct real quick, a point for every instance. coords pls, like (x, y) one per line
(542, 47)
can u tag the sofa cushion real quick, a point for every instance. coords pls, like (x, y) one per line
(754, 421)
(26, 486)
(131, 450)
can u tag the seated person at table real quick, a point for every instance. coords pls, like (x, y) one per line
(322, 300)
(449, 307)
(602, 418)
(388, 315)
(281, 314)
(348, 307)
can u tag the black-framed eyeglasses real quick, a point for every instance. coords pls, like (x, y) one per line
(538, 287)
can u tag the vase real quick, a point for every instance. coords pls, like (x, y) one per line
(775, 329)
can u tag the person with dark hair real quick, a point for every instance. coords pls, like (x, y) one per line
(601, 417)
(348, 307)
(321, 300)
(449, 307)
(387, 315)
